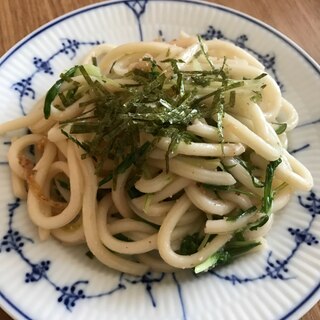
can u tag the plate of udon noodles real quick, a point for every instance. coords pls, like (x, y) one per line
(159, 160)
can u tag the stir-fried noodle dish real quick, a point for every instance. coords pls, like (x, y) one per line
(158, 156)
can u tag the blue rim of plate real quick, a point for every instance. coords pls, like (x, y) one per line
(14, 309)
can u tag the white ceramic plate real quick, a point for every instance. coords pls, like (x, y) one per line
(49, 281)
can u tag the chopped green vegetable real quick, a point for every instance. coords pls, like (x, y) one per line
(90, 69)
(232, 250)
(94, 61)
(133, 158)
(220, 116)
(205, 53)
(227, 188)
(282, 127)
(161, 103)
(82, 145)
(147, 202)
(219, 258)
(259, 223)
(242, 213)
(232, 99)
(69, 98)
(257, 95)
(54, 90)
(262, 75)
(155, 68)
(176, 137)
(190, 244)
(268, 195)
(256, 181)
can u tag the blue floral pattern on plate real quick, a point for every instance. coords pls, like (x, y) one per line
(70, 294)
(68, 47)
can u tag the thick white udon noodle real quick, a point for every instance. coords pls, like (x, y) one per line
(85, 220)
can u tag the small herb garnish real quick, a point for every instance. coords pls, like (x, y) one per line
(161, 103)
(282, 127)
(205, 53)
(242, 213)
(227, 188)
(94, 61)
(82, 145)
(190, 244)
(131, 159)
(268, 195)
(232, 99)
(262, 75)
(257, 95)
(246, 165)
(236, 247)
(54, 90)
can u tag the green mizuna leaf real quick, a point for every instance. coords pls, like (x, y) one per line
(190, 244)
(282, 127)
(54, 90)
(236, 247)
(268, 195)
(242, 213)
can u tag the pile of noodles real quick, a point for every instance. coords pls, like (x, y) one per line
(133, 234)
